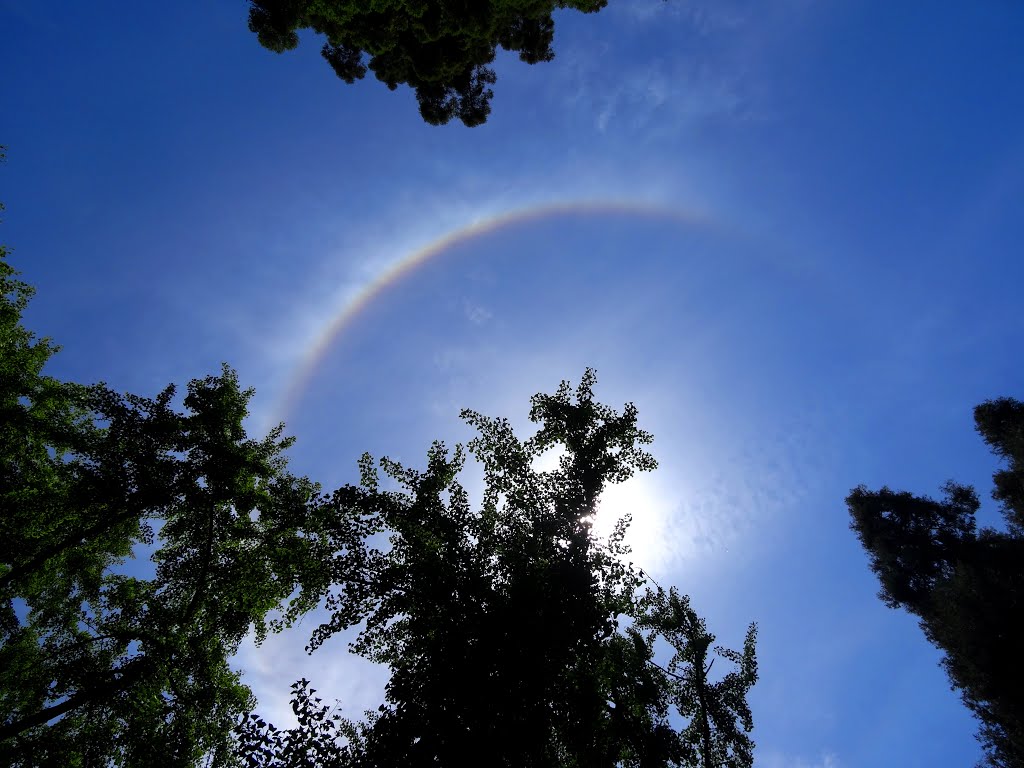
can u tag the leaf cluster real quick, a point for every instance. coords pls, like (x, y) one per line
(965, 585)
(142, 538)
(104, 661)
(512, 632)
(440, 48)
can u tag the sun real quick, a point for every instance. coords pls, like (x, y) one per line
(641, 497)
(650, 509)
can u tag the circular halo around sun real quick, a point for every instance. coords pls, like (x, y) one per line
(394, 338)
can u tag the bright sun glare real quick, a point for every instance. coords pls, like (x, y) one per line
(638, 496)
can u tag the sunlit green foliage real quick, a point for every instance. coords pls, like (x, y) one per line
(142, 538)
(440, 48)
(107, 664)
(513, 634)
(966, 586)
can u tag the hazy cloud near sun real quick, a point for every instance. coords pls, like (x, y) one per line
(336, 674)
(749, 489)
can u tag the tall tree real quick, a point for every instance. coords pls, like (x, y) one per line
(440, 48)
(512, 632)
(105, 663)
(966, 586)
(719, 716)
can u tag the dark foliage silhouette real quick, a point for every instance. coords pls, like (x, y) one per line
(103, 667)
(513, 633)
(965, 585)
(442, 49)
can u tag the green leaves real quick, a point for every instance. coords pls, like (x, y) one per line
(442, 49)
(512, 633)
(316, 742)
(718, 714)
(105, 665)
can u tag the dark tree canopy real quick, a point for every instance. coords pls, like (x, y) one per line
(965, 585)
(440, 48)
(103, 667)
(512, 633)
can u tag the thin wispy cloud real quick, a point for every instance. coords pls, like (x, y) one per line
(864, 168)
(703, 16)
(653, 91)
(362, 254)
(667, 96)
(476, 313)
(338, 676)
(774, 760)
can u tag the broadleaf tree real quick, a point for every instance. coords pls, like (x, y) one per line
(141, 538)
(514, 635)
(442, 49)
(109, 661)
(964, 584)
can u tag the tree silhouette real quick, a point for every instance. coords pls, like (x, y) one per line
(513, 634)
(101, 665)
(966, 586)
(719, 717)
(440, 48)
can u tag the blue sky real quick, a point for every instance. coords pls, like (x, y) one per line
(837, 287)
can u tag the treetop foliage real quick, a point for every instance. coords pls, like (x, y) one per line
(440, 48)
(965, 585)
(100, 665)
(512, 632)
